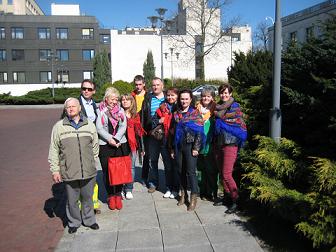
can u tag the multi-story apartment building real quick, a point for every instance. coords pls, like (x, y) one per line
(302, 25)
(20, 7)
(37, 51)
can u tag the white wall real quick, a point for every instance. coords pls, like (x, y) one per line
(65, 9)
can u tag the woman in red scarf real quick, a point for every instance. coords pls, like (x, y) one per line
(134, 135)
(164, 116)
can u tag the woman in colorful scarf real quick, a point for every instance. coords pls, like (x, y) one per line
(230, 132)
(206, 163)
(134, 135)
(163, 115)
(111, 127)
(188, 139)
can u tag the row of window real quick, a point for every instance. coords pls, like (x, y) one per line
(45, 76)
(46, 54)
(293, 36)
(45, 33)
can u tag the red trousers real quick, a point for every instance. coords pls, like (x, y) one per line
(228, 156)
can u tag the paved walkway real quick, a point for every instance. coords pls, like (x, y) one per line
(151, 223)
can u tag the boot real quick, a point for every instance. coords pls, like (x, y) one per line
(182, 198)
(193, 201)
(118, 200)
(111, 202)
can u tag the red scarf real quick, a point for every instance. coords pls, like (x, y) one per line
(134, 129)
(164, 112)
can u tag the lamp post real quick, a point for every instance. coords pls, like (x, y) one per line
(154, 20)
(172, 62)
(275, 112)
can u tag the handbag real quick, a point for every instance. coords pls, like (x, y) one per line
(158, 132)
(119, 170)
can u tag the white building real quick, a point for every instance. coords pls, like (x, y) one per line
(129, 47)
(65, 9)
(300, 26)
(20, 7)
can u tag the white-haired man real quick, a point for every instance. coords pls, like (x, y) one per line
(72, 157)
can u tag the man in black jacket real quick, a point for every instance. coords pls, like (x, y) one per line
(89, 107)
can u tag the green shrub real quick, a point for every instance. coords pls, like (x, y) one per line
(294, 187)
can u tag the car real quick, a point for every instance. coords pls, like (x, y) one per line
(198, 90)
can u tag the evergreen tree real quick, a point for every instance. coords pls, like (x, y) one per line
(309, 91)
(251, 77)
(101, 69)
(149, 68)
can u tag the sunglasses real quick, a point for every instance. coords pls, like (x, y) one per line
(88, 89)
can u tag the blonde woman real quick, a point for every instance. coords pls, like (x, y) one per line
(134, 135)
(111, 127)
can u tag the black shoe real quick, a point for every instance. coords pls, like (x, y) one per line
(72, 230)
(219, 202)
(231, 209)
(94, 226)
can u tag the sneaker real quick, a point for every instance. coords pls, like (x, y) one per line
(173, 195)
(129, 195)
(123, 195)
(167, 194)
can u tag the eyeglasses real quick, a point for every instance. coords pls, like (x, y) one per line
(88, 89)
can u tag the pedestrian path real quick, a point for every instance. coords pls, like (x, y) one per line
(150, 222)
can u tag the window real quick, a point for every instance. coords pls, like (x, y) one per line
(88, 54)
(45, 54)
(62, 33)
(19, 77)
(17, 54)
(2, 33)
(10, 2)
(105, 38)
(87, 33)
(45, 76)
(309, 33)
(62, 54)
(293, 37)
(3, 56)
(17, 33)
(88, 75)
(3, 77)
(62, 76)
(43, 33)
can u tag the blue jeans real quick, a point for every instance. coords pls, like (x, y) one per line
(129, 187)
(155, 148)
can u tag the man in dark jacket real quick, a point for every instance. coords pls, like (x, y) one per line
(153, 147)
(89, 107)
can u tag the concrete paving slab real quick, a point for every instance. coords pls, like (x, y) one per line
(95, 241)
(141, 239)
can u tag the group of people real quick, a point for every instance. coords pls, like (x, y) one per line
(146, 123)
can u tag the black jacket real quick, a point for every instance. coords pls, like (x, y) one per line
(145, 116)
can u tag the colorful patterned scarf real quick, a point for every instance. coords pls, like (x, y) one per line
(232, 122)
(192, 122)
(114, 115)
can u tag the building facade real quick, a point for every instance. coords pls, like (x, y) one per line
(20, 7)
(302, 25)
(37, 51)
(129, 47)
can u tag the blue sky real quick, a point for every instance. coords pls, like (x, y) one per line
(133, 13)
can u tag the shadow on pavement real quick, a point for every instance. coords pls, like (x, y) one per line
(55, 206)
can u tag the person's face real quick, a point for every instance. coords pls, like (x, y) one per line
(126, 104)
(139, 86)
(171, 97)
(87, 90)
(73, 108)
(185, 100)
(225, 95)
(206, 99)
(112, 100)
(157, 87)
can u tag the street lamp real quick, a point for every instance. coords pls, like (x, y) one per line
(154, 20)
(269, 18)
(172, 62)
